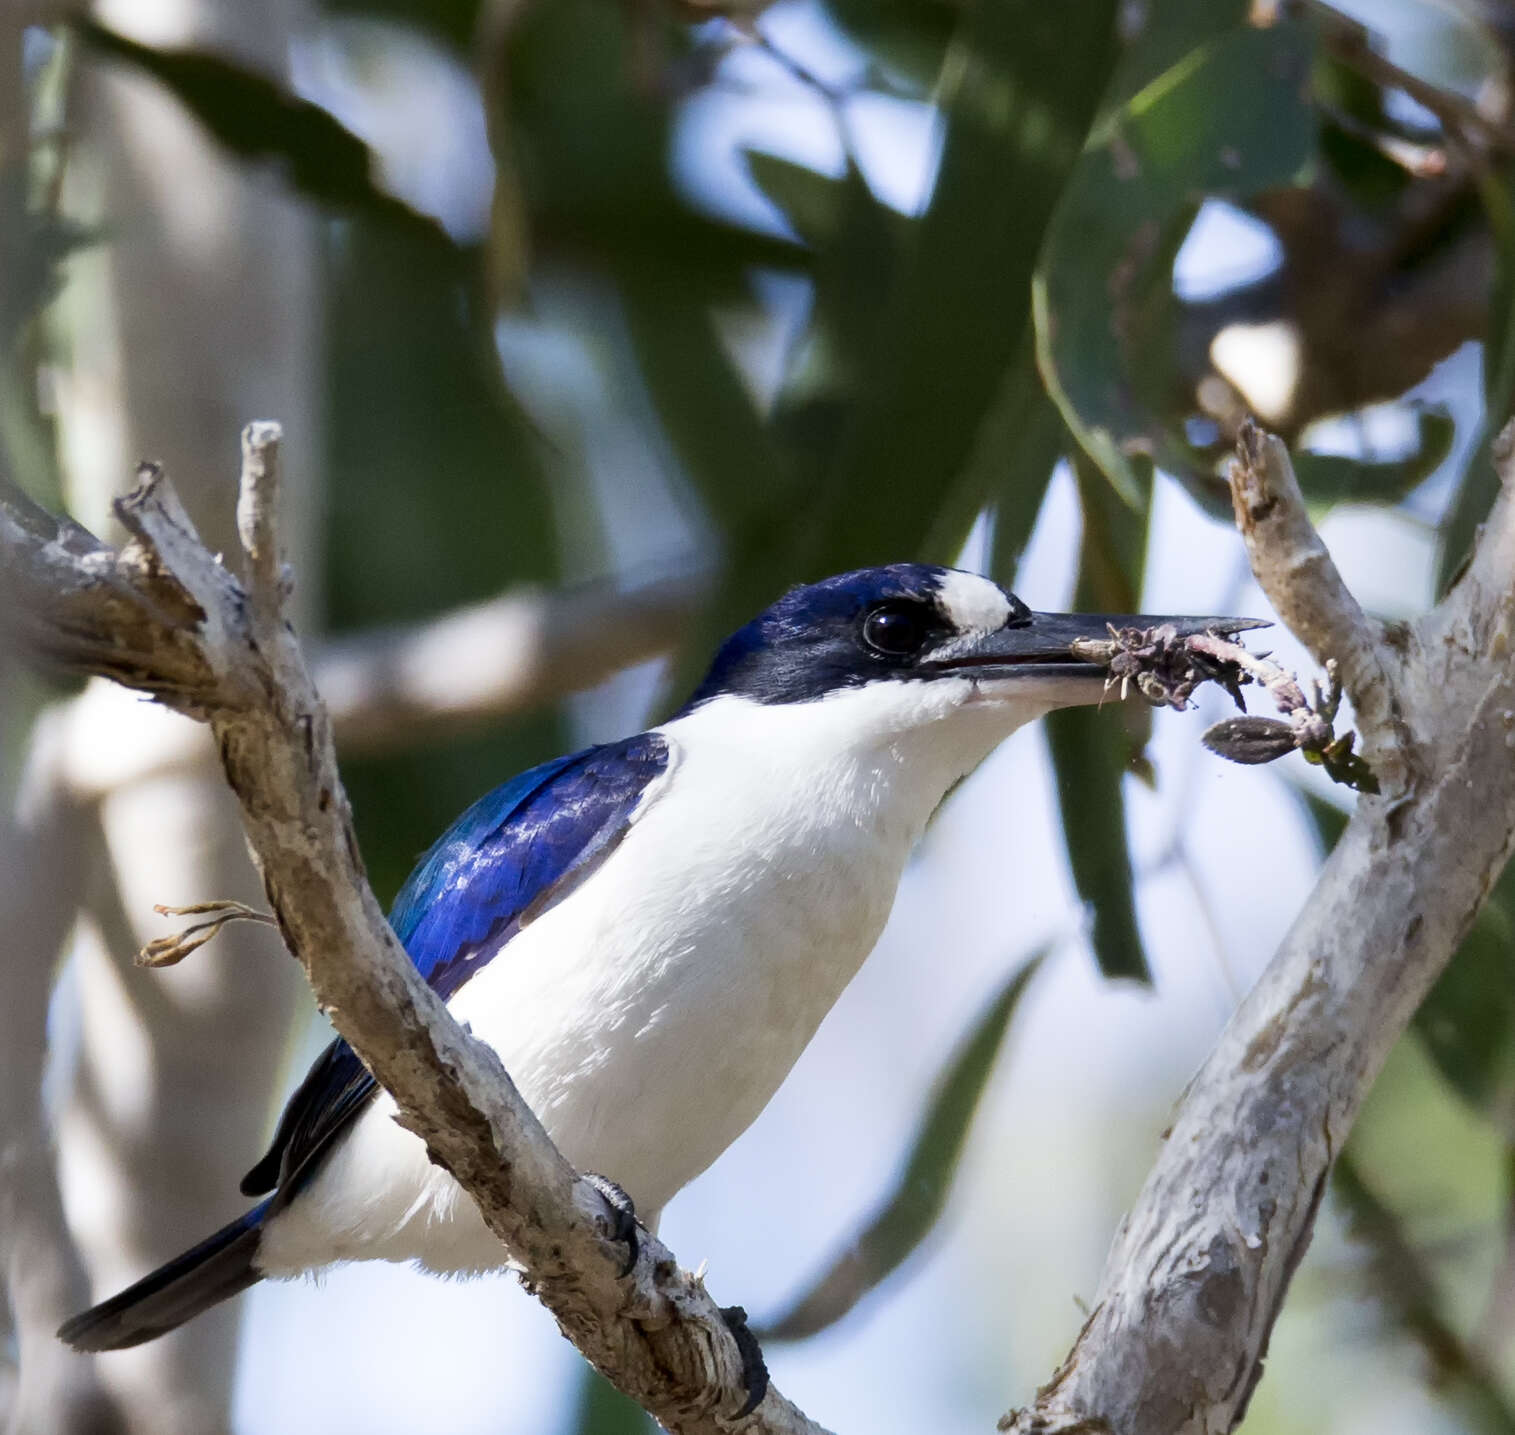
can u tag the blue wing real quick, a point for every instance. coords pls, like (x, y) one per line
(509, 857)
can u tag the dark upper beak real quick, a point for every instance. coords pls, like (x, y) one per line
(1042, 646)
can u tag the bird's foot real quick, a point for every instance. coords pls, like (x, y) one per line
(754, 1367)
(623, 1210)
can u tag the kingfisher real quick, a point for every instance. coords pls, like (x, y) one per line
(650, 931)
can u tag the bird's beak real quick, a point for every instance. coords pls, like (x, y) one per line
(1039, 651)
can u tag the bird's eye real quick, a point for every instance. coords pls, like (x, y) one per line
(897, 630)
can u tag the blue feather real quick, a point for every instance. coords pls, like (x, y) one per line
(505, 860)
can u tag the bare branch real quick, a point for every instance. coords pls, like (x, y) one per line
(1199, 1267)
(1294, 569)
(656, 1334)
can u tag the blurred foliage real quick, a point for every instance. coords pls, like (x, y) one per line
(1397, 1278)
(1479, 483)
(910, 1212)
(603, 1410)
(259, 120)
(1230, 118)
(935, 368)
(427, 453)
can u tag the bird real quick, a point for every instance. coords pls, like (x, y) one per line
(649, 931)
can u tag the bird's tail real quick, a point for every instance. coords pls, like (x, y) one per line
(215, 1270)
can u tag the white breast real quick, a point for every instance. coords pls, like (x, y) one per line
(649, 1016)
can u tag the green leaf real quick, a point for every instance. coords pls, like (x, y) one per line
(1232, 118)
(454, 22)
(730, 456)
(812, 202)
(1014, 453)
(1467, 1021)
(1087, 760)
(258, 119)
(1400, 1279)
(763, 524)
(589, 141)
(33, 247)
(436, 495)
(1019, 92)
(907, 37)
(603, 1410)
(1329, 820)
(1479, 484)
(727, 451)
(1329, 479)
(1032, 447)
(910, 1212)
(1160, 35)
(1091, 751)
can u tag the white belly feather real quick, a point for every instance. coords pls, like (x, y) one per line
(649, 1017)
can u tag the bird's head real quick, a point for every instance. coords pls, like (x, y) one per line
(911, 645)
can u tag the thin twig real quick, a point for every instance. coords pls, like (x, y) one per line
(171, 950)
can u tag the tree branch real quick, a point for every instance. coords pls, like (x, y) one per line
(1199, 1267)
(1294, 569)
(163, 616)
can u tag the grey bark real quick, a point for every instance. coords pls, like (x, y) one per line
(1199, 1268)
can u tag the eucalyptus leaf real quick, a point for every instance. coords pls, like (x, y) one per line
(437, 494)
(1467, 1021)
(1014, 453)
(1402, 1281)
(603, 1410)
(910, 1212)
(453, 22)
(1479, 483)
(811, 202)
(1328, 479)
(1231, 118)
(1093, 748)
(258, 119)
(1019, 92)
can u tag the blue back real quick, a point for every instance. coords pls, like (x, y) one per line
(505, 860)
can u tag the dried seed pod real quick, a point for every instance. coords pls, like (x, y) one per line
(1251, 740)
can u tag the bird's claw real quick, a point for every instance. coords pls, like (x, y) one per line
(623, 1211)
(754, 1367)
